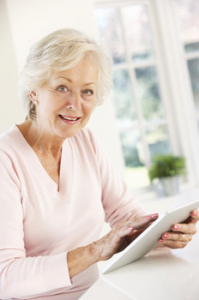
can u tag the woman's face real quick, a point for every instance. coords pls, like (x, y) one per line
(67, 99)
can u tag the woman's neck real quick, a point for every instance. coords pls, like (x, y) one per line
(41, 142)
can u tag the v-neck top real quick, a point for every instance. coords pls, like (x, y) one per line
(40, 223)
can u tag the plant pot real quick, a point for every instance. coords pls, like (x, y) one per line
(170, 185)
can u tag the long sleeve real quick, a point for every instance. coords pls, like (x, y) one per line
(20, 276)
(118, 203)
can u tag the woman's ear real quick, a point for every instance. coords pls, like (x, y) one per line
(33, 97)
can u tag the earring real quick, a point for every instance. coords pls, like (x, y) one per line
(32, 95)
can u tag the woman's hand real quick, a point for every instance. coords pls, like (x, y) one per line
(116, 240)
(181, 233)
(121, 236)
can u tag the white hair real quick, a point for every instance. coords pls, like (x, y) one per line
(59, 51)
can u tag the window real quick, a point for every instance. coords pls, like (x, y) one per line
(187, 13)
(125, 28)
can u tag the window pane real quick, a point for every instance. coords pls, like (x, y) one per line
(138, 31)
(137, 177)
(193, 66)
(136, 173)
(130, 141)
(187, 13)
(158, 141)
(149, 94)
(109, 25)
(191, 47)
(123, 98)
(134, 26)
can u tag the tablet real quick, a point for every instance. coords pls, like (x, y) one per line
(148, 239)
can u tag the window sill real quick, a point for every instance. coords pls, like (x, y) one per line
(150, 195)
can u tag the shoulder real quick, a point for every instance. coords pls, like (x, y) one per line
(86, 138)
(9, 143)
(85, 133)
(5, 140)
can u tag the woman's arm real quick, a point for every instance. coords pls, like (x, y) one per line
(20, 276)
(118, 203)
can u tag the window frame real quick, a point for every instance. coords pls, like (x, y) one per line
(174, 81)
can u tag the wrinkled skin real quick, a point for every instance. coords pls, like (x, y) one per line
(121, 236)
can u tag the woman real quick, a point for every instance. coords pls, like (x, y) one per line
(57, 185)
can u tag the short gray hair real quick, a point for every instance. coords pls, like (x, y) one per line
(59, 51)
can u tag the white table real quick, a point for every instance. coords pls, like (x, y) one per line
(162, 275)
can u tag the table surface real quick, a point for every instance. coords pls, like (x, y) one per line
(163, 274)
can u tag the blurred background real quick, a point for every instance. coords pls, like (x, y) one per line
(154, 104)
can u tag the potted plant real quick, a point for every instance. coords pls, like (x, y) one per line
(168, 168)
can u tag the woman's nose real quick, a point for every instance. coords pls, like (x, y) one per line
(73, 101)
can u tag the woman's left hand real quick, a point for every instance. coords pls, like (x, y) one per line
(181, 233)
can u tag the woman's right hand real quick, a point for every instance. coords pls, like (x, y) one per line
(121, 236)
(115, 241)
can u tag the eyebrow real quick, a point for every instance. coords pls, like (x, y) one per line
(65, 78)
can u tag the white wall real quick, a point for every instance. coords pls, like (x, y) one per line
(31, 20)
(22, 23)
(10, 108)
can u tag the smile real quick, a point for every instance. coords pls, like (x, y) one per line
(71, 119)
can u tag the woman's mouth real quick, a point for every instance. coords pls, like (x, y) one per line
(69, 119)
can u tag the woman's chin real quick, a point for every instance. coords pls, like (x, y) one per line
(64, 134)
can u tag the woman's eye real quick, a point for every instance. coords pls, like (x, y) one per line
(88, 92)
(62, 88)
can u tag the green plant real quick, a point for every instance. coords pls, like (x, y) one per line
(167, 166)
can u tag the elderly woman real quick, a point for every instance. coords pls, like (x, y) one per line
(57, 185)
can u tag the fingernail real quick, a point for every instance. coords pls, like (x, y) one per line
(166, 235)
(130, 228)
(148, 217)
(175, 227)
(160, 240)
(195, 213)
(154, 216)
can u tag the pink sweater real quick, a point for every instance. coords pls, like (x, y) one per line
(40, 222)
